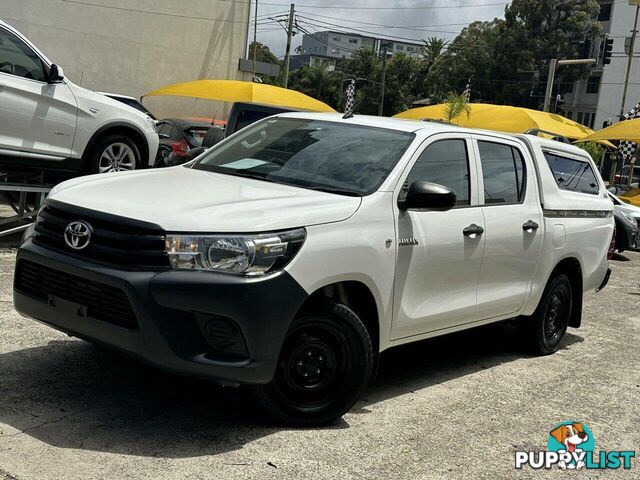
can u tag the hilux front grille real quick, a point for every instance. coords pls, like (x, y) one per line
(117, 241)
(102, 302)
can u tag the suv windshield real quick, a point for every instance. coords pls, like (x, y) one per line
(315, 154)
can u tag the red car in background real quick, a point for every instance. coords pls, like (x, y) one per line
(179, 135)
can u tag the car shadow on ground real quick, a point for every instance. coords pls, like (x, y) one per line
(620, 257)
(71, 394)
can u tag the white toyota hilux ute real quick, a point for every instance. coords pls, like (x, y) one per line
(291, 254)
(48, 122)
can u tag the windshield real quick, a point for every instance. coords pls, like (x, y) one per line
(321, 155)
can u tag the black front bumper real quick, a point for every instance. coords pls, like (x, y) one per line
(173, 309)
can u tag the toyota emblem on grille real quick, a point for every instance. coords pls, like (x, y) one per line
(77, 235)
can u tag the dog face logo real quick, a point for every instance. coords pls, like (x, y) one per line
(570, 436)
(573, 438)
(571, 446)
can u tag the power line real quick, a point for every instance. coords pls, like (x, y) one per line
(352, 7)
(326, 26)
(149, 12)
(380, 25)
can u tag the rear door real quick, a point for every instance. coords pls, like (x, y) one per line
(437, 264)
(36, 117)
(513, 225)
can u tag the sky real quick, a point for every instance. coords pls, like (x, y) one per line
(418, 18)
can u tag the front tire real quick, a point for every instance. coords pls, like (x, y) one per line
(543, 332)
(115, 153)
(325, 364)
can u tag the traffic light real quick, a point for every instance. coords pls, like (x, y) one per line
(607, 50)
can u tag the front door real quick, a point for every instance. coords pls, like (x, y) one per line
(437, 264)
(513, 226)
(36, 117)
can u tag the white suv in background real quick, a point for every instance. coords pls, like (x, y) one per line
(48, 122)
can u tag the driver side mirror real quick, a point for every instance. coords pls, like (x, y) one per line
(56, 74)
(423, 195)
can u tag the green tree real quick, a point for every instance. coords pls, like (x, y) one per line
(470, 55)
(316, 82)
(594, 149)
(402, 75)
(538, 30)
(508, 59)
(456, 105)
(263, 53)
(433, 50)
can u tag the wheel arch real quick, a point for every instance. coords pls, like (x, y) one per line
(358, 297)
(572, 267)
(119, 128)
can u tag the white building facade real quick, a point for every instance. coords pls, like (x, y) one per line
(335, 44)
(594, 100)
(131, 47)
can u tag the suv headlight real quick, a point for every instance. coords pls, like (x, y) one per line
(249, 255)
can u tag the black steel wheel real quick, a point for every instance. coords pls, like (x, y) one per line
(325, 363)
(544, 330)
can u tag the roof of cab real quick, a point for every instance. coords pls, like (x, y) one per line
(380, 122)
(430, 128)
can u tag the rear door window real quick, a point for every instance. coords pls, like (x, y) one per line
(573, 175)
(503, 173)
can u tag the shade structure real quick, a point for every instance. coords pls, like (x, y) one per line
(504, 118)
(626, 130)
(240, 91)
(632, 197)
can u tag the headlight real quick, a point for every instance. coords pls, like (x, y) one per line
(249, 255)
(630, 218)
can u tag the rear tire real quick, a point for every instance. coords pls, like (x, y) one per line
(325, 364)
(115, 153)
(543, 332)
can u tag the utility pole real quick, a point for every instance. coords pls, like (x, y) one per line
(383, 79)
(287, 55)
(633, 41)
(553, 65)
(255, 41)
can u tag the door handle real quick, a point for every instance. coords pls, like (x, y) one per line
(530, 226)
(472, 230)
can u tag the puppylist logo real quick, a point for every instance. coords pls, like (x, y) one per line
(571, 445)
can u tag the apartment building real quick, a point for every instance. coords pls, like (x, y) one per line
(594, 100)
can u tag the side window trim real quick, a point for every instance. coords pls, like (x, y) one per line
(572, 158)
(514, 146)
(474, 199)
(41, 62)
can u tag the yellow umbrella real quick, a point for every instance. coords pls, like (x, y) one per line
(632, 197)
(504, 118)
(626, 130)
(240, 91)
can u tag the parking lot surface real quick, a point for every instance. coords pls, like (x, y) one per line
(454, 407)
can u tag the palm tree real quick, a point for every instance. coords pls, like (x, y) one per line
(455, 105)
(433, 49)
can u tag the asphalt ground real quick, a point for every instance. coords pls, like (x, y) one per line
(454, 407)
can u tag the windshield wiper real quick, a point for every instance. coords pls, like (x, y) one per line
(281, 181)
(336, 190)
